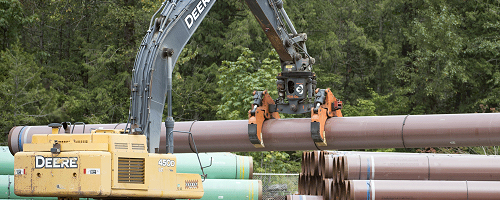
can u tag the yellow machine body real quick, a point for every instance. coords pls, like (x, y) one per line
(104, 164)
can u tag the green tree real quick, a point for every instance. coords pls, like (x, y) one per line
(23, 98)
(276, 161)
(237, 81)
(12, 20)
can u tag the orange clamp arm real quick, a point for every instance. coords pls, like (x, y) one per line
(330, 108)
(256, 117)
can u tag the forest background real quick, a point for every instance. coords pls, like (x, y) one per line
(71, 60)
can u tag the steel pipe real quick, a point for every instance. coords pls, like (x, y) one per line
(328, 189)
(306, 163)
(321, 163)
(341, 153)
(338, 155)
(314, 163)
(340, 168)
(341, 189)
(361, 167)
(303, 166)
(221, 165)
(313, 185)
(303, 197)
(6, 161)
(232, 189)
(328, 167)
(414, 189)
(423, 167)
(302, 184)
(403, 131)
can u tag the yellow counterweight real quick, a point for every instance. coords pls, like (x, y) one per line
(104, 164)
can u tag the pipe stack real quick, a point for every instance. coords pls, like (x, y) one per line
(229, 176)
(314, 178)
(363, 175)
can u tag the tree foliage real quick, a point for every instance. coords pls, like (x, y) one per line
(237, 81)
(72, 60)
(24, 99)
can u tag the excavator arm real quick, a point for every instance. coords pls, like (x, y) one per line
(296, 84)
(170, 29)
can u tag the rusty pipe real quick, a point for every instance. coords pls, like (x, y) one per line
(301, 184)
(303, 164)
(333, 189)
(328, 167)
(402, 131)
(340, 169)
(321, 163)
(313, 169)
(415, 189)
(341, 153)
(341, 187)
(321, 185)
(309, 184)
(312, 185)
(327, 189)
(421, 167)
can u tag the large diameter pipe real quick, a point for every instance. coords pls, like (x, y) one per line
(6, 161)
(331, 159)
(361, 167)
(421, 167)
(337, 157)
(216, 189)
(411, 131)
(303, 197)
(220, 165)
(328, 189)
(403, 131)
(414, 189)
(472, 168)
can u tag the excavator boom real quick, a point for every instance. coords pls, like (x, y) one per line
(171, 28)
(164, 41)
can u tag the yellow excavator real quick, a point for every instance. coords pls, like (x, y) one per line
(114, 164)
(103, 164)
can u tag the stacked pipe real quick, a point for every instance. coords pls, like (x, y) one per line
(228, 175)
(313, 179)
(363, 175)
